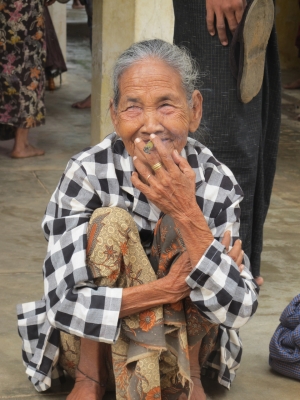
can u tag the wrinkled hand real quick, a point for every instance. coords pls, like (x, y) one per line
(172, 187)
(174, 282)
(49, 2)
(236, 252)
(217, 11)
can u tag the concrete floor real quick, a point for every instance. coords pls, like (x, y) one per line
(26, 186)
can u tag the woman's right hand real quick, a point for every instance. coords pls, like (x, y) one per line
(167, 290)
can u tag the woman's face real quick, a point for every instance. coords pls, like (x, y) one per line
(152, 100)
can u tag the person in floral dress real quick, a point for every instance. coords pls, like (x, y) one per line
(22, 76)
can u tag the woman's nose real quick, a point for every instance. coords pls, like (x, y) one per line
(151, 123)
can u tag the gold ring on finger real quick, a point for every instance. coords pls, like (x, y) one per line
(148, 177)
(156, 166)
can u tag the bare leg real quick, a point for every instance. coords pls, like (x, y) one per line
(198, 391)
(86, 103)
(51, 84)
(92, 373)
(22, 148)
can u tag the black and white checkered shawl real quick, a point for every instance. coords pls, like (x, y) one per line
(100, 177)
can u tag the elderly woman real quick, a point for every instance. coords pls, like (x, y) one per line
(139, 232)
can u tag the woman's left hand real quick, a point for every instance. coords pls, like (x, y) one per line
(172, 187)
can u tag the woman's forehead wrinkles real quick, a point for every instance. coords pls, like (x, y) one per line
(161, 90)
(154, 81)
(139, 82)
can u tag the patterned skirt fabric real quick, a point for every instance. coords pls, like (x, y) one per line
(22, 62)
(151, 356)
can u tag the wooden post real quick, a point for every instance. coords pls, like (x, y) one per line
(116, 25)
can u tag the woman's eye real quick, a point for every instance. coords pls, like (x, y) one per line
(166, 107)
(132, 108)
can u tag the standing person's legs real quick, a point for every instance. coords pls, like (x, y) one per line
(22, 78)
(235, 132)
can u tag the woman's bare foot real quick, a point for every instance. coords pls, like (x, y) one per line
(27, 151)
(259, 280)
(86, 103)
(86, 389)
(293, 85)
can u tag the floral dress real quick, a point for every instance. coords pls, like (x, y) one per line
(22, 61)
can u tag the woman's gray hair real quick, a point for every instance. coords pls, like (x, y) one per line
(177, 58)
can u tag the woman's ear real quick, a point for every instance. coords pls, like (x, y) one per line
(113, 113)
(195, 111)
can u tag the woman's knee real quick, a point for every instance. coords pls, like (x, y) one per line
(113, 216)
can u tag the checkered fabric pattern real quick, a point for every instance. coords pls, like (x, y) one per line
(100, 177)
(285, 343)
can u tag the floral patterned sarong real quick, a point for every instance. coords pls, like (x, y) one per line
(22, 62)
(150, 357)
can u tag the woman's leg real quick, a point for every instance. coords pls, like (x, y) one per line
(198, 391)
(201, 333)
(92, 373)
(22, 148)
(116, 258)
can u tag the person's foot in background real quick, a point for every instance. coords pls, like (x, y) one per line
(22, 148)
(86, 103)
(293, 85)
(77, 5)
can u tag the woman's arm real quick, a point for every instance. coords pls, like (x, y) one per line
(74, 304)
(220, 291)
(169, 289)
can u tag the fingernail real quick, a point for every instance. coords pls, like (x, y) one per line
(176, 152)
(224, 43)
(240, 241)
(152, 136)
(134, 158)
(137, 140)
